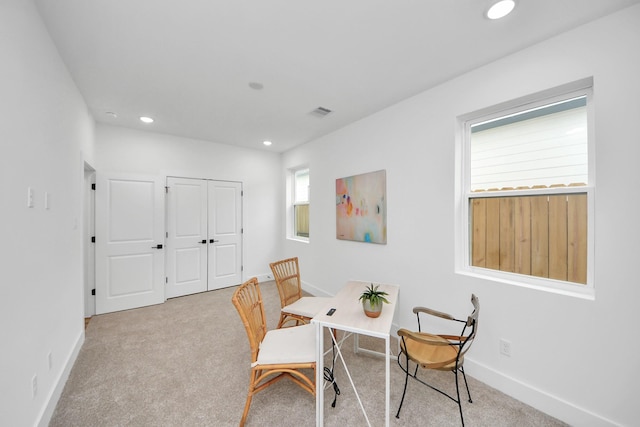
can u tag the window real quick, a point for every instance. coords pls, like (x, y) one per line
(528, 190)
(301, 203)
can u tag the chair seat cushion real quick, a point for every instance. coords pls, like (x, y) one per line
(288, 345)
(442, 357)
(307, 306)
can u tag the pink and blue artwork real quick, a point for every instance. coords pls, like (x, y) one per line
(361, 207)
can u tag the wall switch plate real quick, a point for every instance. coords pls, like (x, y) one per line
(29, 197)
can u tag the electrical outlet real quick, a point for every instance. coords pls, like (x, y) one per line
(505, 347)
(269, 277)
(34, 386)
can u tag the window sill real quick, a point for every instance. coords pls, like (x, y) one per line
(530, 282)
(299, 239)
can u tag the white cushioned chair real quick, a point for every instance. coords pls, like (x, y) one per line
(276, 354)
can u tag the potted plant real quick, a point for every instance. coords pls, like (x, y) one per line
(372, 300)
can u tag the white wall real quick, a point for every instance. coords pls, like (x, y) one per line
(45, 133)
(573, 358)
(591, 375)
(126, 150)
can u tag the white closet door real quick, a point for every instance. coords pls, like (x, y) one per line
(129, 242)
(186, 236)
(225, 234)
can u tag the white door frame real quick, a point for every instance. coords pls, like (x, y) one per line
(88, 247)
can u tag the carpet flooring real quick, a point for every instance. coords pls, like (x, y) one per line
(186, 363)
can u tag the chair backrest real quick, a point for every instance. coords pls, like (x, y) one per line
(468, 334)
(472, 323)
(287, 276)
(473, 317)
(248, 301)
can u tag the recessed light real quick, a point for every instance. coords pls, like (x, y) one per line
(144, 119)
(500, 9)
(256, 85)
(267, 143)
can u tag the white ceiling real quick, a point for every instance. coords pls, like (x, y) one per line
(188, 63)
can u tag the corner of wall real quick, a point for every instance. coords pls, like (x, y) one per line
(56, 391)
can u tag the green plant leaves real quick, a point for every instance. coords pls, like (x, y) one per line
(374, 296)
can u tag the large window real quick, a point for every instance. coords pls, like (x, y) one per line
(528, 190)
(301, 203)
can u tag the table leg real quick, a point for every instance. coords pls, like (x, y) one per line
(388, 378)
(319, 375)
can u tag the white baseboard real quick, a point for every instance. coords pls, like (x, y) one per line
(263, 277)
(539, 399)
(56, 391)
(307, 287)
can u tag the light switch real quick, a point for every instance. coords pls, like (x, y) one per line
(29, 197)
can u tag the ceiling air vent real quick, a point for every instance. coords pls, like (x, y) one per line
(321, 112)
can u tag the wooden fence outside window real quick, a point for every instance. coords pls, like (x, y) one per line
(544, 236)
(302, 220)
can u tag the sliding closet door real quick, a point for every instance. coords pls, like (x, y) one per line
(225, 234)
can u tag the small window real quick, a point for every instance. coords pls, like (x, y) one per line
(528, 192)
(301, 203)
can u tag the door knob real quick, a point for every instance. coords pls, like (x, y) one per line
(204, 242)
(213, 241)
(156, 247)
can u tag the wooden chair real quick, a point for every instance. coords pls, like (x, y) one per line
(276, 354)
(440, 352)
(294, 307)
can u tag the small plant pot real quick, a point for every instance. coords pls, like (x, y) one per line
(371, 310)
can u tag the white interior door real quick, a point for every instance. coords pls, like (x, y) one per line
(225, 234)
(186, 236)
(129, 242)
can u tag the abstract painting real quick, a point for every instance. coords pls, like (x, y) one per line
(361, 207)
